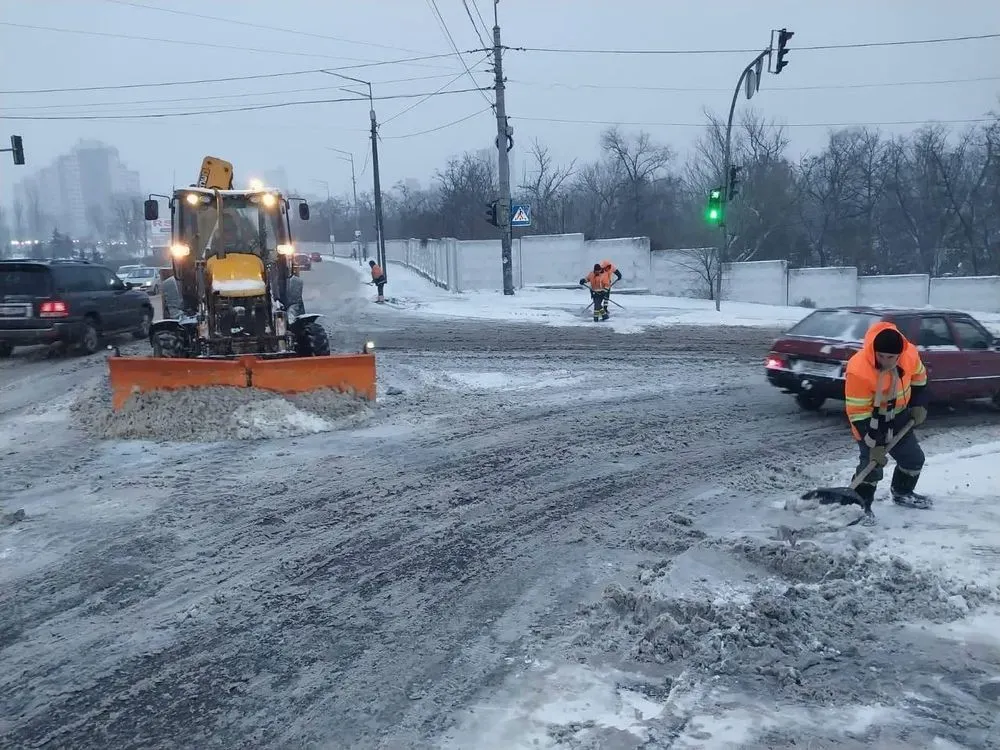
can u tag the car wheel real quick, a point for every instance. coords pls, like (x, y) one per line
(6, 349)
(142, 331)
(809, 401)
(90, 339)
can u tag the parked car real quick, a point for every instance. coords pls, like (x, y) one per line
(144, 278)
(302, 262)
(315, 257)
(961, 356)
(74, 302)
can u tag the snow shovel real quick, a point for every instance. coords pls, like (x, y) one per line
(849, 495)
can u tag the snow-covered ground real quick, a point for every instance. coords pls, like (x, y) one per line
(753, 636)
(409, 291)
(564, 307)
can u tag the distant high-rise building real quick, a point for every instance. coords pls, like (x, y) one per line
(76, 193)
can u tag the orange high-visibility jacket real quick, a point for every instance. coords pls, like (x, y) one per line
(609, 270)
(376, 271)
(598, 281)
(875, 398)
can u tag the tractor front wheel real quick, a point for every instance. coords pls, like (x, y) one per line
(169, 344)
(312, 341)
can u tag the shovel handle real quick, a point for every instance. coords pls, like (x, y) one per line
(871, 464)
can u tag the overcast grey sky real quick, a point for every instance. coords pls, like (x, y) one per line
(541, 86)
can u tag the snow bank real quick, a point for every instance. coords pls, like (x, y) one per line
(408, 291)
(817, 635)
(217, 413)
(239, 286)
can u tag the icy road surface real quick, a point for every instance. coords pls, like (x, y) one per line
(539, 537)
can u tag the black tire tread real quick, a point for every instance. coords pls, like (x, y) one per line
(312, 341)
(169, 345)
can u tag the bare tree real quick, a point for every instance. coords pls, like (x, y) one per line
(641, 162)
(543, 190)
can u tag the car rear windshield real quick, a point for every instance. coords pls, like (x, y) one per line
(30, 280)
(839, 325)
(142, 273)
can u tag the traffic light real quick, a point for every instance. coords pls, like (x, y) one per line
(18, 148)
(783, 37)
(491, 213)
(734, 180)
(713, 214)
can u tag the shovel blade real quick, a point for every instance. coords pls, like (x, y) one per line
(835, 495)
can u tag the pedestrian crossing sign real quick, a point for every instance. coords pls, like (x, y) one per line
(520, 215)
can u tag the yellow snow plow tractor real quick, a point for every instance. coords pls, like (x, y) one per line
(233, 313)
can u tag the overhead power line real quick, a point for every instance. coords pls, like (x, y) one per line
(817, 87)
(853, 45)
(770, 125)
(439, 127)
(247, 108)
(475, 28)
(265, 27)
(421, 101)
(432, 4)
(360, 62)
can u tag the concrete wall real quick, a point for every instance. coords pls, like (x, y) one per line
(764, 282)
(552, 259)
(826, 287)
(679, 273)
(966, 293)
(630, 254)
(910, 290)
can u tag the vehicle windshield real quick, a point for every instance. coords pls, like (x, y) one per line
(839, 325)
(28, 280)
(142, 273)
(245, 225)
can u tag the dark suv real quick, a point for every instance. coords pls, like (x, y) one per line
(72, 302)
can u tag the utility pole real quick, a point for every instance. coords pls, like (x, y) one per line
(379, 227)
(354, 188)
(505, 142)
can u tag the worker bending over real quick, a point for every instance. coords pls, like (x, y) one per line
(885, 387)
(378, 279)
(599, 285)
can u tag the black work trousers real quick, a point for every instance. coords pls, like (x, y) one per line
(909, 458)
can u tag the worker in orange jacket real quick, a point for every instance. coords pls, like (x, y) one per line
(609, 270)
(378, 279)
(885, 387)
(599, 285)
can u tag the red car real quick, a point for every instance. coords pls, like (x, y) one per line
(302, 262)
(315, 257)
(961, 356)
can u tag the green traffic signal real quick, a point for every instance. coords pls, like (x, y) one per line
(713, 214)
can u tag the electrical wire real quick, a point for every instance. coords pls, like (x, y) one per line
(365, 62)
(770, 125)
(214, 97)
(440, 127)
(486, 28)
(465, 4)
(432, 4)
(854, 45)
(247, 108)
(818, 87)
(421, 101)
(265, 27)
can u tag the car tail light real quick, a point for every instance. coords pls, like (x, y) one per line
(775, 362)
(53, 309)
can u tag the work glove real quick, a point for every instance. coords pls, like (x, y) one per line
(583, 282)
(919, 415)
(878, 455)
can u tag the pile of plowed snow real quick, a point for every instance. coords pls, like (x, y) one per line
(216, 413)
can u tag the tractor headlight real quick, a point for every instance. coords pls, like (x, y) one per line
(180, 251)
(286, 250)
(268, 200)
(193, 198)
(369, 347)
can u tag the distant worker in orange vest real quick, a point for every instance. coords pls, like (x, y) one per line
(378, 279)
(885, 387)
(609, 270)
(599, 284)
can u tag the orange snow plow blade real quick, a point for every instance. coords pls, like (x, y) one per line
(348, 373)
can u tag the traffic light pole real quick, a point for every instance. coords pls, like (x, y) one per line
(726, 163)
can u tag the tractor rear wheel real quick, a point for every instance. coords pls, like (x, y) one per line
(312, 341)
(169, 344)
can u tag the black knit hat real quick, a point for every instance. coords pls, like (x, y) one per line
(888, 342)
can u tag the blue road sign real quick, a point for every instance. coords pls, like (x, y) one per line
(520, 215)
